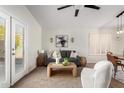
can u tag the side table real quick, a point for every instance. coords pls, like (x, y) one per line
(40, 60)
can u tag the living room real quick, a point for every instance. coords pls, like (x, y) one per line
(88, 34)
(89, 37)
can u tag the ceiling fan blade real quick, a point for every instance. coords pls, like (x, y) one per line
(92, 6)
(76, 12)
(66, 6)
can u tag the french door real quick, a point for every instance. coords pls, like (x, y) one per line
(18, 44)
(4, 50)
(12, 50)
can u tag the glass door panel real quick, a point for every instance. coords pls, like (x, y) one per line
(19, 49)
(2, 49)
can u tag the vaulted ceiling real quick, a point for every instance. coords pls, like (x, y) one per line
(49, 17)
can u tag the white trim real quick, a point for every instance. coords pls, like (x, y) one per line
(26, 48)
(18, 76)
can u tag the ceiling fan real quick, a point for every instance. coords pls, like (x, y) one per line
(77, 7)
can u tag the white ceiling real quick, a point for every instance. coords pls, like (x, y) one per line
(49, 17)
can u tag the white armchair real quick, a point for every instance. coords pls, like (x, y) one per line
(98, 77)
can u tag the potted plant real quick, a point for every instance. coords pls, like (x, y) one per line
(66, 61)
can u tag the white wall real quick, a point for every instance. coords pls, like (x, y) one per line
(55, 22)
(80, 41)
(34, 31)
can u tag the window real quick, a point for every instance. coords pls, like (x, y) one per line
(99, 43)
(2, 28)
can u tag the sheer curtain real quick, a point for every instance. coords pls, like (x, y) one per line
(99, 43)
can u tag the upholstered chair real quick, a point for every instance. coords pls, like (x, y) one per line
(98, 77)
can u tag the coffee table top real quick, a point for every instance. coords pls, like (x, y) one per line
(54, 65)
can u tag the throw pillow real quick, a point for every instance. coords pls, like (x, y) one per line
(73, 54)
(63, 53)
(68, 53)
(56, 54)
(50, 53)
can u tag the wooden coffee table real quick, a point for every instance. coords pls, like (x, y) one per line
(52, 66)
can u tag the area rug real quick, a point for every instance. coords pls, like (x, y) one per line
(120, 76)
(60, 79)
(38, 79)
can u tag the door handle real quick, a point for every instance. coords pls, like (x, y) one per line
(13, 53)
(13, 49)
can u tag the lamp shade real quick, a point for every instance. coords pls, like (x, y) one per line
(56, 54)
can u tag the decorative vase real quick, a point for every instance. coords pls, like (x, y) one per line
(57, 60)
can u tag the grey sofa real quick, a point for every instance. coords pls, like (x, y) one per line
(66, 53)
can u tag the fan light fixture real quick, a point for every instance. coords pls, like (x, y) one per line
(78, 7)
(119, 25)
(120, 32)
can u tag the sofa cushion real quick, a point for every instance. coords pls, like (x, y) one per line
(68, 53)
(51, 59)
(75, 60)
(72, 60)
(63, 53)
(61, 59)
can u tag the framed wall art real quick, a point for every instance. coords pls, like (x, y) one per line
(61, 40)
